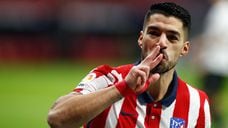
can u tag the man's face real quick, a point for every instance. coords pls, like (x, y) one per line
(169, 34)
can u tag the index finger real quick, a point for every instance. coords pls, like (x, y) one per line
(153, 58)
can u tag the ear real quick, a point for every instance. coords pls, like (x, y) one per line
(140, 39)
(185, 48)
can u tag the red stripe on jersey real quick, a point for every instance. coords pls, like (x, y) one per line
(98, 121)
(128, 114)
(124, 69)
(78, 89)
(153, 115)
(182, 102)
(103, 69)
(201, 119)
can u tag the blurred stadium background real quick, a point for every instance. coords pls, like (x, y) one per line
(48, 46)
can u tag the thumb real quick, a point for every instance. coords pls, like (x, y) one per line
(152, 79)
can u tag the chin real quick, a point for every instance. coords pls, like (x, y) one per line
(162, 68)
(159, 69)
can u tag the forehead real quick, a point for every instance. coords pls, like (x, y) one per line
(165, 22)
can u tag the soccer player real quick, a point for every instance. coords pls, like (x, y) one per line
(145, 94)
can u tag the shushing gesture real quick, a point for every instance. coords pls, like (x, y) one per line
(139, 77)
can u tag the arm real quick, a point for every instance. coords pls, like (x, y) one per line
(75, 109)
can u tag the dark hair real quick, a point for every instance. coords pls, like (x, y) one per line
(170, 9)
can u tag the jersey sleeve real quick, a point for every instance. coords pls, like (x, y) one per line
(98, 78)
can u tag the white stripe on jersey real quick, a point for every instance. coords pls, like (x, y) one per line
(114, 112)
(117, 75)
(194, 107)
(141, 110)
(207, 114)
(94, 85)
(166, 115)
(113, 115)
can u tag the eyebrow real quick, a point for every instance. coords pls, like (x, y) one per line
(169, 31)
(152, 27)
(174, 32)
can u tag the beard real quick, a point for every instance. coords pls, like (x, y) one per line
(164, 66)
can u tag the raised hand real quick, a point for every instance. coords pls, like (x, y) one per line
(139, 77)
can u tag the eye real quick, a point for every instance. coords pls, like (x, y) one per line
(172, 38)
(154, 33)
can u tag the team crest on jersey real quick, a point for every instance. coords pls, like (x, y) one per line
(89, 77)
(177, 123)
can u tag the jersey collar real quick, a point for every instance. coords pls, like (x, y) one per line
(170, 96)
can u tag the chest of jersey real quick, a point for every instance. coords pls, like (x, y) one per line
(130, 112)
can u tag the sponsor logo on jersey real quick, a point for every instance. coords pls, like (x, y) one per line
(89, 77)
(177, 123)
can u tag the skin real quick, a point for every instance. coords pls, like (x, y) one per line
(170, 35)
(160, 53)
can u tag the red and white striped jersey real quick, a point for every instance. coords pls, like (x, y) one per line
(182, 107)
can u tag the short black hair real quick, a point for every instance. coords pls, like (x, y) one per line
(170, 9)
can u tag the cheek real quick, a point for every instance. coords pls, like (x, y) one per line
(147, 45)
(174, 53)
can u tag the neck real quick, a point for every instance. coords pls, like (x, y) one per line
(159, 89)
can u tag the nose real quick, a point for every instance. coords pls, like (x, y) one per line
(163, 41)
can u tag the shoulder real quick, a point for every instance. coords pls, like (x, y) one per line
(124, 69)
(197, 102)
(105, 69)
(203, 96)
(193, 91)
